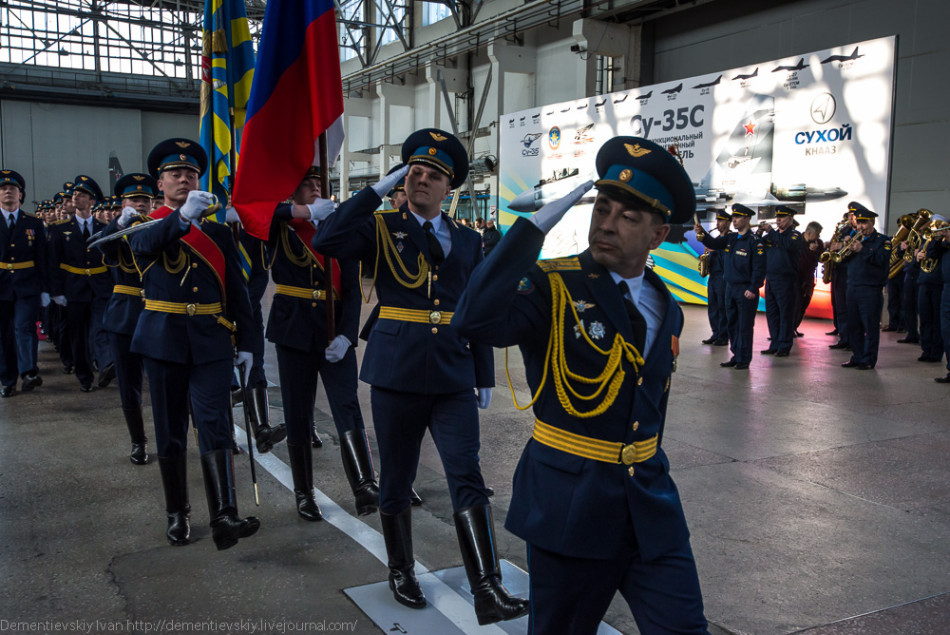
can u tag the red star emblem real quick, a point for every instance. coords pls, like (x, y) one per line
(750, 127)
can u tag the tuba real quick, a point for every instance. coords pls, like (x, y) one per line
(905, 223)
(915, 238)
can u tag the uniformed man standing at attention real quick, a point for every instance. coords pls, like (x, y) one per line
(24, 285)
(599, 334)
(423, 373)
(783, 253)
(744, 259)
(716, 287)
(196, 304)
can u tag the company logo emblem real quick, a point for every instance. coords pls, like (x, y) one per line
(823, 108)
(554, 137)
(527, 142)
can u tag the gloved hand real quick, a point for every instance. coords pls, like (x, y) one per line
(59, 299)
(244, 360)
(197, 203)
(484, 397)
(126, 217)
(387, 182)
(337, 348)
(320, 209)
(44, 299)
(549, 215)
(232, 215)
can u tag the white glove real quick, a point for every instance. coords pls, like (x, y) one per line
(232, 215)
(44, 299)
(59, 299)
(337, 348)
(387, 182)
(197, 203)
(126, 217)
(484, 397)
(548, 216)
(320, 209)
(245, 359)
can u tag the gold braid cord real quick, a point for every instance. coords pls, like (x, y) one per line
(384, 245)
(608, 382)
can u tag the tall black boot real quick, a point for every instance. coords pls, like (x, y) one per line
(358, 465)
(301, 467)
(492, 601)
(265, 435)
(136, 426)
(397, 531)
(226, 525)
(175, 485)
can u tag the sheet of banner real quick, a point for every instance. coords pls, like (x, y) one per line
(812, 131)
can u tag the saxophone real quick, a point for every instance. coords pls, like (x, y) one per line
(703, 265)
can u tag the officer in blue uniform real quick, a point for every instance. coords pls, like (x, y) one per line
(423, 373)
(839, 282)
(929, 292)
(136, 190)
(783, 253)
(81, 284)
(599, 334)
(24, 285)
(744, 260)
(63, 213)
(196, 305)
(941, 244)
(716, 287)
(868, 263)
(306, 350)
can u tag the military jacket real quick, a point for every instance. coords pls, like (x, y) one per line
(426, 357)
(870, 266)
(935, 277)
(18, 278)
(570, 504)
(75, 271)
(783, 253)
(717, 264)
(128, 299)
(944, 269)
(743, 259)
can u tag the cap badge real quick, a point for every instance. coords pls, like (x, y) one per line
(182, 144)
(432, 151)
(437, 136)
(636, 151)
(625, 175)
(138, 178)
(182, 157)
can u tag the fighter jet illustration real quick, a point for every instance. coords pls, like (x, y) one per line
(547, 190)
(530, 138)
(645, 96)
(622, 99)
(843, 58)
(797, 67)
(582, 134)
(754, 73)
(707, 85)
(671, 91)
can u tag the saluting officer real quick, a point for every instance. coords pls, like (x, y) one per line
(716, 287)
(195, 303)
(81, 284)
(298, 328)
(136, 190)
(783, 253)
(599, 334)
(744, 261)
(423, 373)
(868, 267)
(24, 285)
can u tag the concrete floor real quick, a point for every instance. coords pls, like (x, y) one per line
(818, 500)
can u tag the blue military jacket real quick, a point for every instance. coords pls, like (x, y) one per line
(744, 259)
(717, 264)
(70, 261)
(562, 502)
(174, 273)
(301, 323)
(122, 313)
(26, 244)
(935, 277)
(414, 357)
(870, 266)
(783, 253)
(940, 251)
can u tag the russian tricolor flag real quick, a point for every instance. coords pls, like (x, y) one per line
(297, 95)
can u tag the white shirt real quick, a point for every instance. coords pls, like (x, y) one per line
(648, 301)
(441, 231)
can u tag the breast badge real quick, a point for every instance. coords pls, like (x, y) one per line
(582, 305)
(525, 286)
(596, 331)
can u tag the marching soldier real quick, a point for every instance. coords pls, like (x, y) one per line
(744, 264)
(868, 259)
(196, 304)
(592, 494)
(716, 287)
(298, 328)
(81, 284)
(783, 253)
(24, 286)
(423, 373)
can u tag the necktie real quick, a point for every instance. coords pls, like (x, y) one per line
(637, 321)
(435, 248)
(85, 230)
(12, 222)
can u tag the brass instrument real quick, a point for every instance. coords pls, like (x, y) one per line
(827, 256)
(703, 266)
(929, 265)
(914, 238)
(905, 223)
(845, 251)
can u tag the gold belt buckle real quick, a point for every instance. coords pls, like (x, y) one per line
(191, 309)
(435, 317)
(316, 294)
(87, 272)
(628, 454)
(9, 266)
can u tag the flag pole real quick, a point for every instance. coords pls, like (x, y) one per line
(327, 261)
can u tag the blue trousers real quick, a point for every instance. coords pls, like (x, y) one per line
(928, 310)
(128, 371)
(740, 312)
(839, 303)
(781, 298)
(716, 308)
(18, 338)
(945, 321)
(208, 386)
(895, 301)
(864, 321)
(910, 304)
(571, 595)
(83, 326)
(401, 420)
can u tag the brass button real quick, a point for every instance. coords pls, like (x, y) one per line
(639, 381)
(194, 289)
(436, 302)
(435, 277)
(313, 304)
(630, 471)
(194, 265)
(191, 309)
(434, 330)
(636, 424)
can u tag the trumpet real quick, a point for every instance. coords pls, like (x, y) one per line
(845, 251)
(929, 264)
(827, 256)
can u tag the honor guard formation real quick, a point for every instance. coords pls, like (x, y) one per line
(159, 286)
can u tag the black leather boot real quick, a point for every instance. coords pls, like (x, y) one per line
(397, 531)
(301, 467)
(492, 601)
(358, 465)
(136, 426)
(226, 526)
(175, 485)
(265, 435)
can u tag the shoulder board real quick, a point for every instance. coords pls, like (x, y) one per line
(560, 264)
(62, 221)
(452, 221)
(385, 211)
